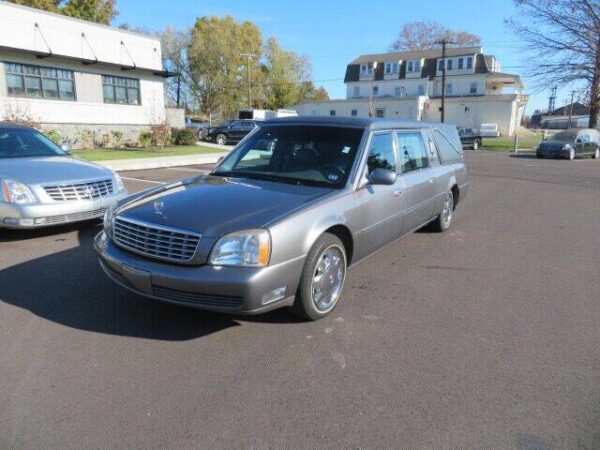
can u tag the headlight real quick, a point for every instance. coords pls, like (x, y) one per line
(15, 192)
(250, 248)
(109, 219)
(119, 181)
(566, 147)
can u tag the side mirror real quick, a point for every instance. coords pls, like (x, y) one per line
(65, 147)
(382, 176)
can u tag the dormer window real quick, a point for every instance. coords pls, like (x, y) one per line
(461, 63)
(391, 68)
(469, 62)
(413, 66)
(366, 70)
(441, 65)
(449, 64)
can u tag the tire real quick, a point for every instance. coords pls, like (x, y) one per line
(476, 145)
(444, 219)
(221, 139)
(571, 155)
(538, 156)
(596, 154)
(328, 257)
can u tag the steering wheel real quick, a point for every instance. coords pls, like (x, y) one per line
(332, 173)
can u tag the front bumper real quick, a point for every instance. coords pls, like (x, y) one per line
(43, 215)
(240, 290)
(552, 153)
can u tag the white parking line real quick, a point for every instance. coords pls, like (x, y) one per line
(143, 181)
(186, 169)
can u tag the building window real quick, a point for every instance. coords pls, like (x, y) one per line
(39, 82)
(380, 112)
(449, 64)
(461, 63)
(354, 113)
(414, 66)
(391, 68)
(357, 91)
(441, 65)
(449, 89)
(332, 112)
(469, 62)
(375, 90)
(421, 90)
(473, 89)
(397, 91)
(366, 70)
(121, 90)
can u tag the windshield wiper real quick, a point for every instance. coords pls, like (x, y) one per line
(274, 178)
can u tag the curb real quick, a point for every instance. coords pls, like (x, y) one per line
(161, 161)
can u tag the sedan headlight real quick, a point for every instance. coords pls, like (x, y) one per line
(250, 248)
(566, 147)
(17, 193)
(118, 181)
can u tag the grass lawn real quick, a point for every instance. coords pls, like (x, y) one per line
(504, 144)
(131, 153)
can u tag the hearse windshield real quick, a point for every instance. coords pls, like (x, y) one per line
(297, 154)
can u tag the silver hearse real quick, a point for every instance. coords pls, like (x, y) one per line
(42, 184)
(279, 220)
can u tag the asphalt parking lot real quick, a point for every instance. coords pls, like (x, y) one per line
(486, 337)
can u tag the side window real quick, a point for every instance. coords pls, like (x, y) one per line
(413, 153)
(381, 153)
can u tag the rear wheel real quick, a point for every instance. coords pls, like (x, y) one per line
(596, 154)
(444, 220)
(322, 279)
(221, 139)
(539, 156)
(476, 145)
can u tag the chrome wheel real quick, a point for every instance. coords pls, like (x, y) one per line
(221, 139)
(476, 145)
(447, 211)
(572, 154)
(597, 153)
(328, 279)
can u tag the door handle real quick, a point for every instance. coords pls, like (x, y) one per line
(431, 180)
(397, 193)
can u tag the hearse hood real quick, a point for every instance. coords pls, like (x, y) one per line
(214, 206)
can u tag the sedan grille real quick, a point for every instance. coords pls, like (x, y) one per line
(217, 301)
(81, 191)
(155, 241)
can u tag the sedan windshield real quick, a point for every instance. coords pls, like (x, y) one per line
(24, 142)
(297, 154)
(564, 136)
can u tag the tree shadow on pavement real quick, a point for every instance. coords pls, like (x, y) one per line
(69, 288)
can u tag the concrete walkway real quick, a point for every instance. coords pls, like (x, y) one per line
(168, 161)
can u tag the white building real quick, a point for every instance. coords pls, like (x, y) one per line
(74, 76)
(408, 85)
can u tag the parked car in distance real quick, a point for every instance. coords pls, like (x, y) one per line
(200, 126)
(41, 184)
(231, 132)
(279, 220)
(571, 144)
(469, 138)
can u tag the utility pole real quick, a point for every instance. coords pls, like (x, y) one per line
(571, 109)
(248, 56)
(178, 89)
(444, 43)
(552, 100)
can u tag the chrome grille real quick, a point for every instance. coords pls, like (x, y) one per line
(155, 241)
(75, 217)
(81, 191)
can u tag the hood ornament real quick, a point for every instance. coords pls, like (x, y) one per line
(158, 207)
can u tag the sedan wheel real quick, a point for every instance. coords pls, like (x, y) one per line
(596, 154)
(322, 279)
(444, 220)
(221, 139)
(476, 145)
(572, 154)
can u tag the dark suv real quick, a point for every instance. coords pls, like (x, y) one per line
(231, 132)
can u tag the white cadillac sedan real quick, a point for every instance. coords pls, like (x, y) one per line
(42, 185)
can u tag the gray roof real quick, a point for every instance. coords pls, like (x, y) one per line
(418, 54)
(356, 122)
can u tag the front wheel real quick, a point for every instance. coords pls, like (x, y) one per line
(444, 220)
(322, 279)
(476, 145)
(596, 154)
(221, 139)
(571, 155)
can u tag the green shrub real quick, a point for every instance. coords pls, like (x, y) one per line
(145, 138)
(184, 136)
(53, 135)
(117, 136)
(161, 135)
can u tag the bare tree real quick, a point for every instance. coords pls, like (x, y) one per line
(563, 41)
(423, 35)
